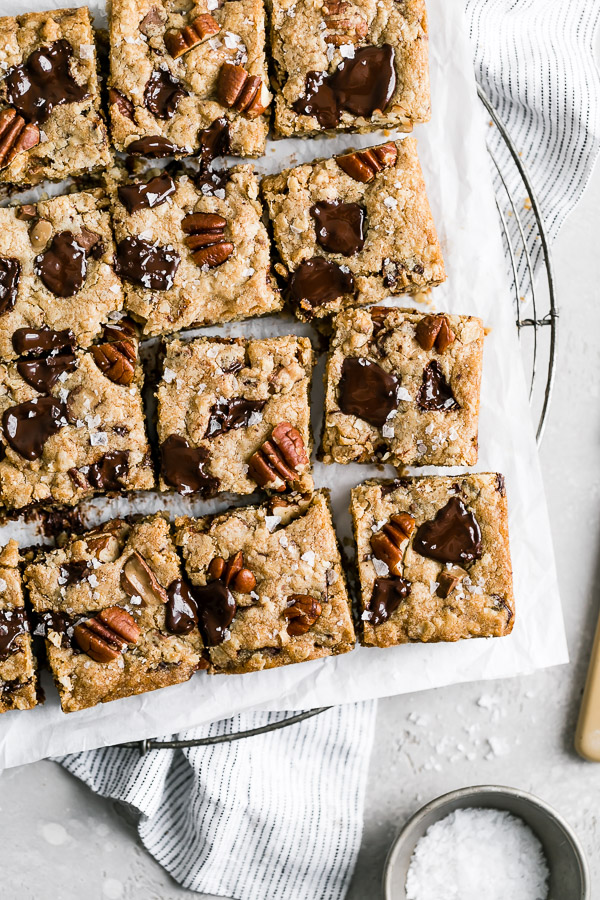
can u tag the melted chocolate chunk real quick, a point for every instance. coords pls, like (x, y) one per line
(435, 393)
(10, 272)
(319, 100)
(43, 82)
(388, 594)
(108, 472)
(182, 609)
(454, 535)
(146, 195)
(209, 181)
(213, 141)
(151, 265)
(50, 620)
(183, 467)
(63, 266)
(155, 146)
(228, 414)
(216, 609)
(163, 93)
(38, 341)
(28, 426)
(42, 374)
(317, 281)
(13, 622)
(367, 391)
(74, 572)
(339, 226)
(362, 85)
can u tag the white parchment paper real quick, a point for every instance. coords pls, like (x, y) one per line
(456, 166)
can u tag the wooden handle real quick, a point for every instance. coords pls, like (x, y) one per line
(587, 736)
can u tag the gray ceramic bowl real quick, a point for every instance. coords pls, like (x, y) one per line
(569, 876)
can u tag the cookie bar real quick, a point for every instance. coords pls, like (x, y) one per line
(56, 269)
(18, 680)
(186, 78)
(234, 415)
(193, 255)
(354, 229)
(111, 604)
(51, 126)
(433, 559)
(403, 388)
(269, 585)
(344, 66)
(71, 421)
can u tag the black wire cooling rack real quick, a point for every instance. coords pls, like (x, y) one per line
(530, 268)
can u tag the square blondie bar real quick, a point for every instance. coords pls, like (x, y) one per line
(221, 401)
(193, 254)
(354, 229)
(112, 607)
(72, 421)
(433, 559)
(269, 585)
(403, 387)
(51, 125)
(188, 78)
(349, 66)
(56, 269)
(18, 678)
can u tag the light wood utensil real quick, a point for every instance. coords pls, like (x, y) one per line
(587, 736)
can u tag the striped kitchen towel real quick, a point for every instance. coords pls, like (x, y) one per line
(277, 816)
(536, 62)
(280, 815)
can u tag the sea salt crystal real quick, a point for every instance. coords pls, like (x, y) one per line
(309, 557)
(390, 202)
(380, 567)
(169, 375)
(475, 853)
(99, 439)
(347, 51)
(272, 522)
(3, 585)
(387, 431)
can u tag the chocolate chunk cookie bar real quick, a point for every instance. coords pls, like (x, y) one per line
(269, 585)
(403, 388)
(112, 607)
(18, 678)
(234, 415)
(185, 78)
(51, 126)
(433, 559)
(71, 421)
(344, 66)
(56, 270)
(193, 254)
(354, 229)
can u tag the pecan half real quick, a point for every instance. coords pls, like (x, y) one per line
(280, 459)
(106, 635)
(179, 42)
(363, 165)
(245, 93)
(449, 579)
(232, 573)
(389, 544)
(138, 580)
(206, 238)
(434, 331)
(302, 611)
(345, 22)
(123, 103)
(15, 136)
(116, 356)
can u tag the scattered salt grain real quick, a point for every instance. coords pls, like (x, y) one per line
(3, 585)
(381, 568)
(169, 375)
(475, 853)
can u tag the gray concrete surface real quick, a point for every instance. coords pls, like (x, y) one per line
(60, 842)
